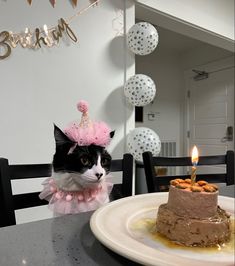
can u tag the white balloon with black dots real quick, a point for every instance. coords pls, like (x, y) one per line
(142, 38)
(140, 90)
(142, 139)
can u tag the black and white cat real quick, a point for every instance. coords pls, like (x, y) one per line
(79, 180)
(77, 167)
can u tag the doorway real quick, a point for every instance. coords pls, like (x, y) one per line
(210, 109)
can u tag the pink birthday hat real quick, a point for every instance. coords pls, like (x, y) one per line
(88, 132)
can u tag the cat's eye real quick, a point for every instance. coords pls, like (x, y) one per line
(85, 161)
(104, 161)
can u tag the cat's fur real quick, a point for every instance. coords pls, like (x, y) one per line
(77, 167)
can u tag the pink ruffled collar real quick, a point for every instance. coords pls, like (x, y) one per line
(71, 202)
(86, 194)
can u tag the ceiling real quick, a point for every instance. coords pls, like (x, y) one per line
(176, 42)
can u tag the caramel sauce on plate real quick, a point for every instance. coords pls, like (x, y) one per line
(148, 226)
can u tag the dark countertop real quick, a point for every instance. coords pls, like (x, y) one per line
(60, 241)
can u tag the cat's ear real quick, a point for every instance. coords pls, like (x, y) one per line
(111, 134)
(60, 137)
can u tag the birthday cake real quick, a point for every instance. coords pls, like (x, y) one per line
(192, 217)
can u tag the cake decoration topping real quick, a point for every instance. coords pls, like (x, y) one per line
(196, 189)
(199, 186)
(209, 188)
(174, 182)
(202, 182)
(183, 185)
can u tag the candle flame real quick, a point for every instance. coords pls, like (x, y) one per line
(195, 156)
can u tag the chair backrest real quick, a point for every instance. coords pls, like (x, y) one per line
(155, 182)
(125, 166)
(9, 202)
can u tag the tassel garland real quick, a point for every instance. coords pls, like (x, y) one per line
(53, 2)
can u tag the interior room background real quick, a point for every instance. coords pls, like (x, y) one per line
(42, 87)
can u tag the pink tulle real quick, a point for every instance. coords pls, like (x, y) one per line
(87, 132)
(98, 134)
(71, 202)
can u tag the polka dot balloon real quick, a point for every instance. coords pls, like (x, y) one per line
(143, 139)
(140, 90)
(142, 38)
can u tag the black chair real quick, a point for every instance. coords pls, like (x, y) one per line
(156, 182)
(125, 166)
(9, 202)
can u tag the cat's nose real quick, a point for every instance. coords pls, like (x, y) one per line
(98, 175)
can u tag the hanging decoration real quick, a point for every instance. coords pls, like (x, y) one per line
(37, 38)
(53, 2)
(140, 90)
(118, 24)
(143, 139)
(142, 38)
(75, 2)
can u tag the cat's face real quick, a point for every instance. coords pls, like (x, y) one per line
(85, 164)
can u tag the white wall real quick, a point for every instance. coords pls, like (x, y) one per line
(39, 88)
(163, 67)
(214, 15)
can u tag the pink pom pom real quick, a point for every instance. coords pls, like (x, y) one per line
(82, 106)
(69, 197)
(80, 196)
(52, 189)
(58, 195)
(51, 182)
(94, 193)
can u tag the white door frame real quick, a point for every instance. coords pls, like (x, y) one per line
(189, 74)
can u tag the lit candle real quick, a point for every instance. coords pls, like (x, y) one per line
(194, 162)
